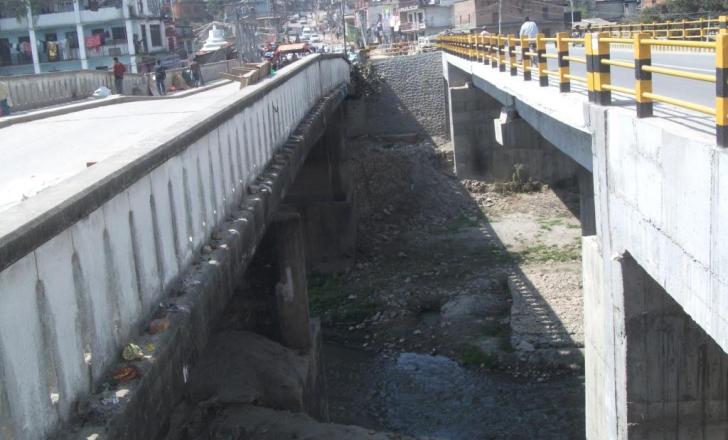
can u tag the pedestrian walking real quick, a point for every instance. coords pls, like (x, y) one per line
(196, 73)
(119, 70)
(160, 74)
(529, 30)
(5, 101)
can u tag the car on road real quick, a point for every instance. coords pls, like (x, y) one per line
(315, 38)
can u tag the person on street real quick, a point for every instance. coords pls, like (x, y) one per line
(119, 71)
(484, 31)
(5, 101)
(160, 74)
(196, 73)
(529, 29)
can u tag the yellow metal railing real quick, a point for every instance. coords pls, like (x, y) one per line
(697, 29)
(501, 52)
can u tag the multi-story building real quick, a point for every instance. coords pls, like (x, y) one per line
(617, 9)
(81, 34)
(419, 18)
(380, 16)
(470, 14)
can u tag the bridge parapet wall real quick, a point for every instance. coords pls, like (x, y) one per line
(30, 92)
(95, 254)
(35, 91)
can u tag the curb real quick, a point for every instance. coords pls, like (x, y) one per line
(42, 114)
(666, 48)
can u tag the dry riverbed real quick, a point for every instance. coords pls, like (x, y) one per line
(462, 317)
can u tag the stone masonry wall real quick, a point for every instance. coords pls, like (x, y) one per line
(412, 99)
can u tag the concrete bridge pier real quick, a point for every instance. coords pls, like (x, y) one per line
(587, 214)
(323, 194)
(653, 372)
(491, 142)
(292, 286)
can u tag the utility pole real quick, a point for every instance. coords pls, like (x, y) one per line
(571, 2)
(500, 16)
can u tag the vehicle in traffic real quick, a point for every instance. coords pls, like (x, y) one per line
(288, 53)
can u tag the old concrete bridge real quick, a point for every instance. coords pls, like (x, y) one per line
(167, 228)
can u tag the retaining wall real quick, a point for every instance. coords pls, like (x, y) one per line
(83, 262)
(412, 99)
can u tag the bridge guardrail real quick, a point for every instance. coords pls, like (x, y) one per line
(698, 29)
(492, 49)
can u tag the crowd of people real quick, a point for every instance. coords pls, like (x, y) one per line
(192, 76)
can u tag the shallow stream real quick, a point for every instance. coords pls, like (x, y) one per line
(424, 395)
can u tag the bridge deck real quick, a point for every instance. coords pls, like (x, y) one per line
(36, 155)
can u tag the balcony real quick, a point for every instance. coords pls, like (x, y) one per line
(64, 53)
(409, 3)
(61, 13)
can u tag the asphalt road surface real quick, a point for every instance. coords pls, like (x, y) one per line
(698, 92)
(35, 155)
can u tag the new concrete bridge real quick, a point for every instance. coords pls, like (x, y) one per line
(653, 197)
(163, 226)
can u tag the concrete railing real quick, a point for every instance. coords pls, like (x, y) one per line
(82, 263)
(30, 92)
(35, 91)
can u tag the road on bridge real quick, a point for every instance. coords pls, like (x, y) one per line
(697, 92)
(36, 155)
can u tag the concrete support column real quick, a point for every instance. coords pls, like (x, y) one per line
(675, 373)
(81, 46)
(586, 202)
(79, 35)
(471, 128)
(33, 42)
(130, 38)
(292, 286)
(130, 42)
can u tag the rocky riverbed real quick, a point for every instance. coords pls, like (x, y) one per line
(462, 317)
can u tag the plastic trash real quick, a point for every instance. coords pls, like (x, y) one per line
(132, 352)
(102, 92)
(125, 374)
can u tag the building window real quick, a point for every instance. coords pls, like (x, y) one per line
(495, 17)
(545, 11)
(156, 35)
(118, 33)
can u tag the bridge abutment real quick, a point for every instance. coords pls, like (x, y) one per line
(492, 143)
